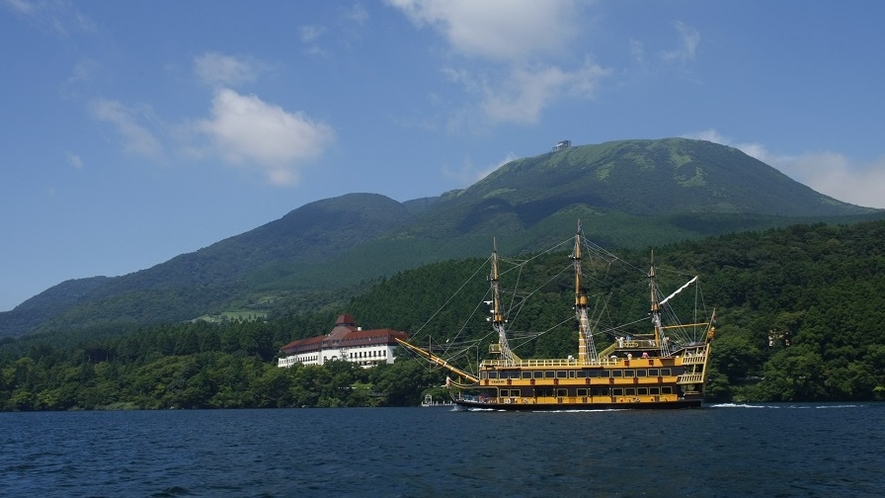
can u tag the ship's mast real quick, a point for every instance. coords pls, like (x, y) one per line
(586, 345)
(656, 310)
(497, 318)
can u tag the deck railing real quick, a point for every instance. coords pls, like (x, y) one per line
(554, 362)
(692, 378)
(693, 360)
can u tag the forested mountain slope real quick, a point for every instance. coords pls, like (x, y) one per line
(630, 194)
(799, 319)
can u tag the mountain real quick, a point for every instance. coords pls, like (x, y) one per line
(629, 193)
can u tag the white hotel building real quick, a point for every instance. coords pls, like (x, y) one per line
(346, 342)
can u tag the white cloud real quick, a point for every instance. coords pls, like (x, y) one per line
(522, 95)
(221, 70)
(137, 138)
(513, 35)
(251, 133)
(829, 173)
(496, 29)
(838, 176)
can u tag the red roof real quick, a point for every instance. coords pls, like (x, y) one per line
(344, 334)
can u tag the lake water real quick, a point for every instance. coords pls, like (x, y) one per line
(774, 450)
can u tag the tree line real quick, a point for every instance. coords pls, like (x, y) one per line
(800, 313)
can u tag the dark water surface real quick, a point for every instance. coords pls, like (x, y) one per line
(775, 450)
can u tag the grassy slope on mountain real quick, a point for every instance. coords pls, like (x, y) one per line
(633, 194)
(636, 177)
(210, 279)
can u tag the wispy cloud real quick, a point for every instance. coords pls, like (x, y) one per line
(74, 160)
(250, 133)
(356, 14)
(517, 39)
(689, 39)
(21, 6)
(225, 70)
(468, 173)
(57, 17)
(128, 121)
(310, 34)
(522, 94)
(830, 173)
(496, 29)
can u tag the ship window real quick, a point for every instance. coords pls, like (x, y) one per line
(653, 372)
(642, 390)
(526, 375)
(493, 375)
(630, 391)
(629, 373)
(539, 374)
(549, 374)
(571, 374)
(603, 373)
(483, 375)
(561, 393)
(617, 391)
(665, 371)
(654, 390)
(561, 374)
(582, 374)
(599, 391)
(582, 391)
(641, 373)
(667, 390)
(617, 373)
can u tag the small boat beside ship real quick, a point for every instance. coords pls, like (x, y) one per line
(663, 366)
(429, 402)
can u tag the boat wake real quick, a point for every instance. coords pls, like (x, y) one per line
(779, 407)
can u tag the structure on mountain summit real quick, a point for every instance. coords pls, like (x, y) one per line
(346, 341)
(562, 145)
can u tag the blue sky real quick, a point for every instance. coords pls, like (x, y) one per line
(136, 131)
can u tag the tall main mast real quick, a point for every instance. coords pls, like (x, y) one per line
(586, 345)
(655, 311)
(507, 356)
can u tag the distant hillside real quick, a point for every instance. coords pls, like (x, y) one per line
(631, 193)
(665, 177)
(208, 280)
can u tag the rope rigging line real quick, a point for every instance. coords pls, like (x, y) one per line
(464, 284)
